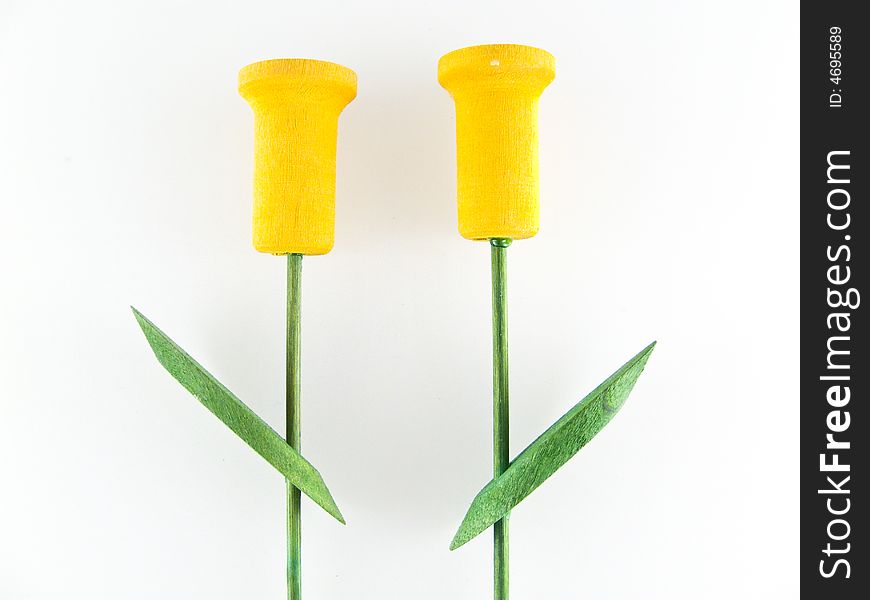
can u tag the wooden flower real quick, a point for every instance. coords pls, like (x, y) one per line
(496, 90)
(296, 104)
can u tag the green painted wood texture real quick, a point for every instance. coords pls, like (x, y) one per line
(500, 411)
(551, 450)
(243, 421)
(293, 392)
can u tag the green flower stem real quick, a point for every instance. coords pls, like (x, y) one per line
(294, 497)
(500, 406)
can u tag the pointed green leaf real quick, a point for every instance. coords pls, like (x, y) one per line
(551, 450)
(237, 416)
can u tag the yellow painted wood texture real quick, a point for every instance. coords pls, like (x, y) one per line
(496, 90)
(296, 104)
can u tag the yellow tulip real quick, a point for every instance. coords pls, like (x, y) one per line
(496, 90)
(296, 104)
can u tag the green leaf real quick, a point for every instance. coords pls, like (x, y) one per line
(237, 416)
(551, 450)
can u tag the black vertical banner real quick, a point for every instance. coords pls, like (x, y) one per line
(835, 267)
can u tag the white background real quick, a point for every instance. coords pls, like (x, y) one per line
(669, 159)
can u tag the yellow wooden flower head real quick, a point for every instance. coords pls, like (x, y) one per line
(496, 90)
(296, 104)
